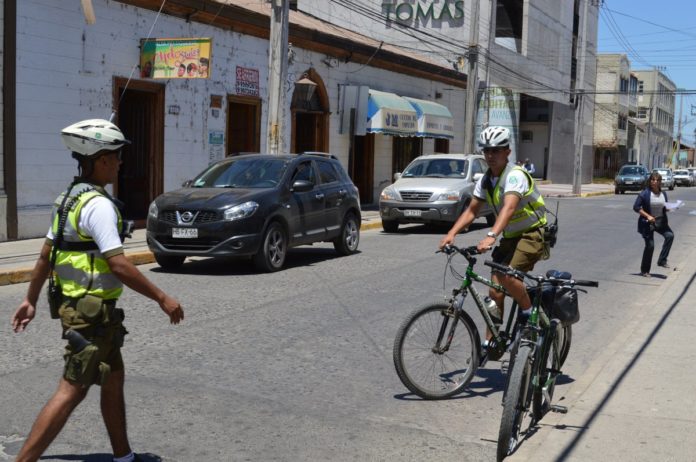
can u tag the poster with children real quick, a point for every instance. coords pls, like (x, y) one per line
(186, 58)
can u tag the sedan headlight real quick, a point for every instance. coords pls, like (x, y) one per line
(449, 196)
(153, 211)
(240, 211)
(618, 180)
(389, 194)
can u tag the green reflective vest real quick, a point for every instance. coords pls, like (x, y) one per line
(80, 267)
(530, 212)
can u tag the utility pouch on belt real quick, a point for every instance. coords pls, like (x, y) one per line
(92, 310)
(82, 367)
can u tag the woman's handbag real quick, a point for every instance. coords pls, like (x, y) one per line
(660, 224)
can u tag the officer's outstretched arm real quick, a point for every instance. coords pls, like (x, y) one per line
(128, 274)
(27, 309)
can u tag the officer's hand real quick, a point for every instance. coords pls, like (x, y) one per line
(23, 316)
(485, 244)
(447, 240)
(173, 309)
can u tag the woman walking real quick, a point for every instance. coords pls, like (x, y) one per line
(650, 205)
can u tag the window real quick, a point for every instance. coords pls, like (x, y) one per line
(642, 113)
(640, 86)
(527, 136)
(304, 171)
(623, 85)
(327, 172)
(508, 27)
(442, 145)
(623, 122)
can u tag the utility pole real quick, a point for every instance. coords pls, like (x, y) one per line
(679, 131)
(277, 74)
(491, 33)
(472, 79)
(580, 107)
(649, 163)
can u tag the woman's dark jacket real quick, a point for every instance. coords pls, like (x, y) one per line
(643, 202)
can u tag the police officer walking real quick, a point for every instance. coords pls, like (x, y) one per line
(520, 216)
(83, 257)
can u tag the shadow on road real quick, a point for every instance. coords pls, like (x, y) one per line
(145, 457)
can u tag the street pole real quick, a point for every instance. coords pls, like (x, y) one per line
(679, 131)
(472, 79)
(650, 111)
(277, 74)
(579, 123)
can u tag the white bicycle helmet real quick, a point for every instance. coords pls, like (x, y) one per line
(89, 137)
(494, 137)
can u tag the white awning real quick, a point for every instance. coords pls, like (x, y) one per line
(434, 120)
(390, 114)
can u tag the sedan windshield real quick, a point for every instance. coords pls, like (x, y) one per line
(242, 173)
(631, 171)
(452, 168)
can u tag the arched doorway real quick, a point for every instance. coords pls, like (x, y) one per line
(310, 119)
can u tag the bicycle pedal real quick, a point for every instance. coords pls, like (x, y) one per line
(559, 409)
(505, 366)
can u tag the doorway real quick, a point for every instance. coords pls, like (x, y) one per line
(361, 170)
(140, 116)
(310, 118)
(243, 124)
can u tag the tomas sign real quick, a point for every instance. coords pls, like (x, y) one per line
(187, 58)
(424, 12)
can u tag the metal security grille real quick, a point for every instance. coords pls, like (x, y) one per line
(415, 196)
(204, 216)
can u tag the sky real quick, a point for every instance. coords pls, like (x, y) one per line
(656, 33)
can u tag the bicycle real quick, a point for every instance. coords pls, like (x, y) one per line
(537, 356)
(437, 349)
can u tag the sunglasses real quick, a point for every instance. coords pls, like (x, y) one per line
(493, 150)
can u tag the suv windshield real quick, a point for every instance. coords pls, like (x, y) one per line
(681, 172)
(452, 168)
(242, 173)
(631, 170)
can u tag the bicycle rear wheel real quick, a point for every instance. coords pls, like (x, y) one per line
(428, 363)
(516, 417)
(549, 368)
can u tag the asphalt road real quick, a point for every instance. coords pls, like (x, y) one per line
(297, 365)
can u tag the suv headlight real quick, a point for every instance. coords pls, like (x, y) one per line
(240, 211)
(389, 194)
(153, 211)
(449, 196)
(618, 180)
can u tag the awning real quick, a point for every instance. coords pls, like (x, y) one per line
(434, 120)
(390, 114)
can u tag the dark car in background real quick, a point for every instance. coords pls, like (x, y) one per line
(631, 178)
(256, 205)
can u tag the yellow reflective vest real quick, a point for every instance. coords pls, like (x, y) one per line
(80, 267)
(531, 211)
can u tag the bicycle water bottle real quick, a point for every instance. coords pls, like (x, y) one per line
(493, 311)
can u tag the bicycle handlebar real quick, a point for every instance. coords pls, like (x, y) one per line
(539, 279)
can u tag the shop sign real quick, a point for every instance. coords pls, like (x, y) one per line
(247, 81)
(408, 11)
(187, 58)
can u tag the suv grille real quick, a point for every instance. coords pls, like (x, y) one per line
(415, 196)
(204, 216)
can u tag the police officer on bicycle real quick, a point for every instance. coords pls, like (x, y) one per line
(83, 256)
(520, 216)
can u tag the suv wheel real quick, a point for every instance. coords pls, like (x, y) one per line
(169, 262)
(390, 226)
(274, 248)
(347, 242)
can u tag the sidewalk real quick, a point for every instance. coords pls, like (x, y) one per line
(17, 258)
(635, 401)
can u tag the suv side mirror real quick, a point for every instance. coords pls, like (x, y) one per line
(397, 175)
(302, 186)
(478, 176)
(186, 183)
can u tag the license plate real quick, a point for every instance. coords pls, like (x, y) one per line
(185, 233)
(412, 213)
(629, 182)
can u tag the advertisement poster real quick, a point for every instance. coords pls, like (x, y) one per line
(503, 107)
(216, 145)
(187, 58)
(247, 81)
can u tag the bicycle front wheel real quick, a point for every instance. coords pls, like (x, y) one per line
(436, 351)
(566, 335)
(516, 417)
(549, 368)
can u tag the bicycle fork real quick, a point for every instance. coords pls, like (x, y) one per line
(452, 313)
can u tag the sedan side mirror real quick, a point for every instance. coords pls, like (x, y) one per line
(478, 176)
(397, 175)
(186, 183)
(302, 186)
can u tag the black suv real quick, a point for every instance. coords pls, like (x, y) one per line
(256, 205)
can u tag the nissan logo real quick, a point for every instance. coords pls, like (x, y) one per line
(185, 218)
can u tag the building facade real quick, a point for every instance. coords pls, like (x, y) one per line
(656, 103)
(383, 94)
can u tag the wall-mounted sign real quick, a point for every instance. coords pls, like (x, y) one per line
(187, 58)
(247, 81)
(424, 12)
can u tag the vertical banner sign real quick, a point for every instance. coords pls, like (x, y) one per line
(247, 81)
(216, 145)
(187, 58)
(503, 107)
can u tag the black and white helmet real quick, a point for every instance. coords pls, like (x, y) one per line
(494, 137)
(89, 137)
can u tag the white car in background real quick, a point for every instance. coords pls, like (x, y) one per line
(667, 177)
(682, 177)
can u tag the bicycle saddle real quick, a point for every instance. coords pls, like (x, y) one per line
(558, 274)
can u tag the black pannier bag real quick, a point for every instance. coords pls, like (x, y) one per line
(558, 302)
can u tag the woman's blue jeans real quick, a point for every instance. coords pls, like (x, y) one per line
(650, 247)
